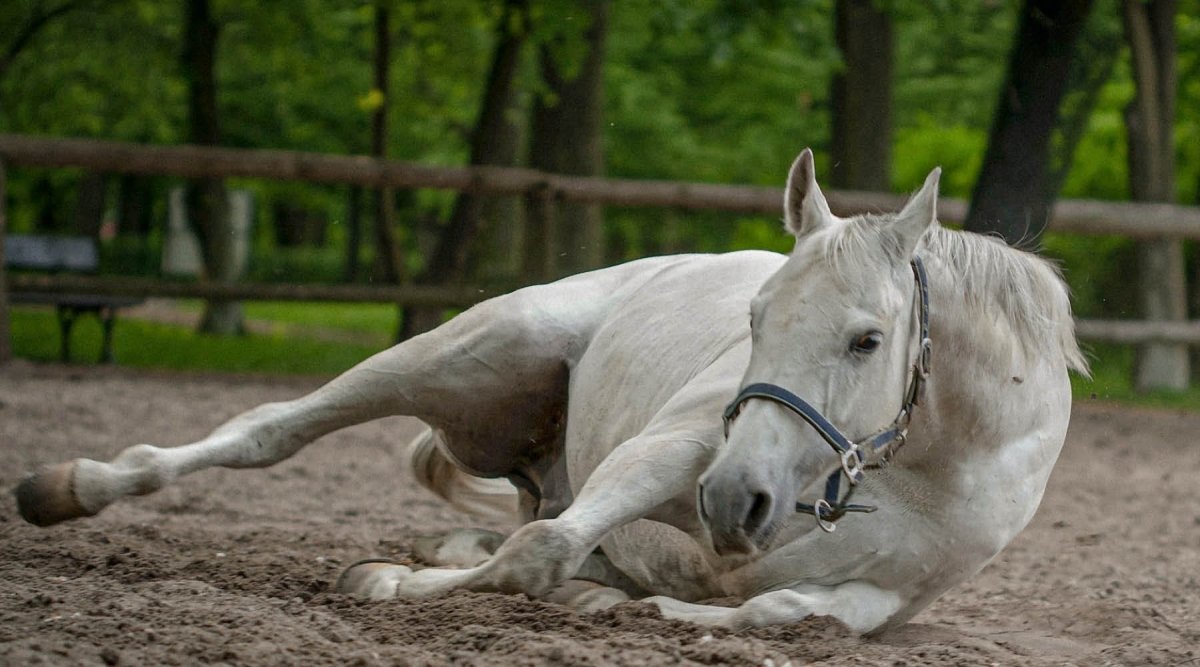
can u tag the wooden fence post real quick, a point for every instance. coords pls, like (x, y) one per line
(1149, 121)
(5, 330)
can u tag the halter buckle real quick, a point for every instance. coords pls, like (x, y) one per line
(924, 358)
(730, 415)
(822, 506)
(852, 464)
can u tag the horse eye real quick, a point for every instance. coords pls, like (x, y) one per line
(868, 342)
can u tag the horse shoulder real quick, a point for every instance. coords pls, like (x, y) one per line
(669, 353)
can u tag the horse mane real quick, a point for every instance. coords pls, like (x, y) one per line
(990, 277)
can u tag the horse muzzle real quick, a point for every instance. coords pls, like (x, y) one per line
(741, 510)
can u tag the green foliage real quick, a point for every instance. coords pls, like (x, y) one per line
(927, 143)
(950, 59)
(1096, 269)
(701, 90)
(1187, 123)
(730, 101)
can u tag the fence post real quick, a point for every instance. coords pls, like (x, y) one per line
(5, 329)
(1163, 295)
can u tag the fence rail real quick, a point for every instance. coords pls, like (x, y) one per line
(412, 295)
(1081, 216)
(1133, 220)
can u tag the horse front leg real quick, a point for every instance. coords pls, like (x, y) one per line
(861, 606)
(642, 474)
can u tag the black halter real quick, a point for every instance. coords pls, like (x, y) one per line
(873, 451)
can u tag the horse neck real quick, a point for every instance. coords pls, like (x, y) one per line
(974, 371)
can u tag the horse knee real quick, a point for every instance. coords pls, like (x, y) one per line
(538, 557)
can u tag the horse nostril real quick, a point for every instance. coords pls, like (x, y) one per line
(760, 511)
(700, 503)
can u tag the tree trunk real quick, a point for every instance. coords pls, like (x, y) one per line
(5, 325)
(861, 144)
(1012, 196)
(207, 199)
(448, 263)
(133, 217)
(353, 233)
(45, 199)
(1149, 119)
(90, 199)
(566, 138)
(389, 261)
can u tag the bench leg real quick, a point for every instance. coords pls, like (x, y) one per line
(108, 318)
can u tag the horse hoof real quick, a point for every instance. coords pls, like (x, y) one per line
(585, 596)
(47, 496)
(464, 547)
(370, 578)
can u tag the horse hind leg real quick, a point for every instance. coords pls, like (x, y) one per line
(495, 374)
(83, 487)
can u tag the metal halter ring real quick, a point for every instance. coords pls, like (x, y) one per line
(852, 464)
(820, 506)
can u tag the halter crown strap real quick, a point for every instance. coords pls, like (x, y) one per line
(874, 450)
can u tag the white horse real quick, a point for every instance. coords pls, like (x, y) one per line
(600, 397)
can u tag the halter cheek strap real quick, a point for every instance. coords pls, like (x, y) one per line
(874, 450)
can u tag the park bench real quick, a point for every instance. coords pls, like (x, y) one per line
(65, 254)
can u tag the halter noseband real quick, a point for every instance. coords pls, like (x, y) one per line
(873, 451)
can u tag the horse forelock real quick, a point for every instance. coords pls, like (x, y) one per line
(985, 273)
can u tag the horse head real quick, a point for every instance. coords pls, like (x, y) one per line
(838, 325)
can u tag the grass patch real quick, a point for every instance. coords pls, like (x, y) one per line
(1112, 380)
(142, 344)
(374, 318)
(378, 318)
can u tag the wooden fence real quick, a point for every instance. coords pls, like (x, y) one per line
(1134, 220)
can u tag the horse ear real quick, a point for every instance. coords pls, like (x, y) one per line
(919, 213)
(805, 208)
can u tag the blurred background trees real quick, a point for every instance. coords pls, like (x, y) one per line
(703, 90)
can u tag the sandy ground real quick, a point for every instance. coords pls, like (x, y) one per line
(235, 567)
